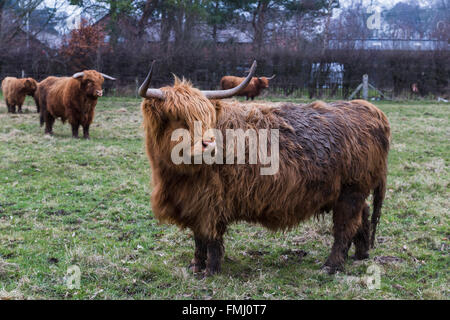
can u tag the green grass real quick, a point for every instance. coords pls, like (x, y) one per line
(70, 202)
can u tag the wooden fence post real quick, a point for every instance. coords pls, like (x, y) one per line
(365, 87)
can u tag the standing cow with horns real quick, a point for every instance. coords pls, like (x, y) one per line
(331, 158)
(252, 90)
(70, 98)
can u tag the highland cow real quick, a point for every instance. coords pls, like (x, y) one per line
(331, 158)
(252, 90)
(15, 90)
(70, 98)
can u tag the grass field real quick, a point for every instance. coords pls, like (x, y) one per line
(67, 202)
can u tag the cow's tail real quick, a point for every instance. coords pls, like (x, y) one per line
(378, 197)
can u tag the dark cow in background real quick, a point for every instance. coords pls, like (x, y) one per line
(15, 90)
(252, 90)
(70, 98)
(331, 158)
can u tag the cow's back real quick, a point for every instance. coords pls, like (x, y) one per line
(348, 140)
(52, 89)
(11, 90)
(7, 85)
(322, 149)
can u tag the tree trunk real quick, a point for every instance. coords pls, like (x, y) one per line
(149, 8)
(259, 23)
(166, 28)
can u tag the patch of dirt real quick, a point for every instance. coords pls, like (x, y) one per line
(126, 235)
(387, 260)
(58, 213)
(293, 255)
(255, 253)
(52, 260)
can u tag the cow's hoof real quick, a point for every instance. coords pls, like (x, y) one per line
(196, 267)
(209, 272)
(360, 256)
(332, 269)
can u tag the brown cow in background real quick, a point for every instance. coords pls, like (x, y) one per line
(253, 89)
(70, 98)
(15, 91)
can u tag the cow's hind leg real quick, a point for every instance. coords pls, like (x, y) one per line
(75, 127)
(49, 121)
(362, 236)
(19, 108)
(198, 264)
(347, 218)
(86, 131)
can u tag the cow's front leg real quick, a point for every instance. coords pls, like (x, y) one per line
(75, 127)
(198, 264)
(86, 132)
(19, 108)
(215, 255)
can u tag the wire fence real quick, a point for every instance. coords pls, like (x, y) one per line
(290, 87)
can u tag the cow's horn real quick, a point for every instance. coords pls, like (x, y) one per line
(108, 77)
(273, 76)
(145, 92)
(78, 75)
(221, 94)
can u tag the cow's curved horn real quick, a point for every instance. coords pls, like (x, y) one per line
(108, 77)
(145, 92)
(78, 75)
(221, 94)
(273, 76)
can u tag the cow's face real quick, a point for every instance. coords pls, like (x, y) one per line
(184, 117)
(30, 86)
(263, 82)
(91, 83)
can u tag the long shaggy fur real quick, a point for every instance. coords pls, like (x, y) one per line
(252, 90)
(331, 158)
(15, 90)
(69, 99)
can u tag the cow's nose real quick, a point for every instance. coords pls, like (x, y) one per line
(99, 93)
(208, 144)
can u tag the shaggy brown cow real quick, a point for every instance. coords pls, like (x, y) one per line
(253, 89)
(70, 98)
(331, 157)
(15, 91)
